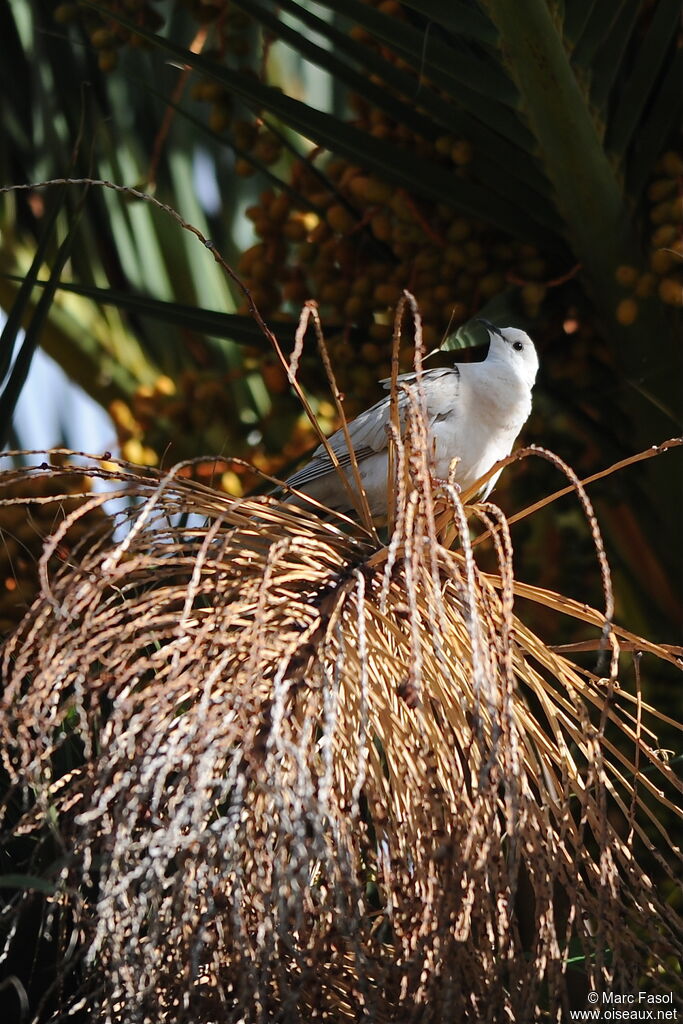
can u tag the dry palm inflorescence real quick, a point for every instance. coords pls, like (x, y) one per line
(25, 526)
(325, 777)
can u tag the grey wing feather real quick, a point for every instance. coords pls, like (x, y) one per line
(321, 464)
(427, 376)
(368, 432)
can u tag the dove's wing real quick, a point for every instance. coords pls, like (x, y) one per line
(368, 435)
(428, 376)
(368, 432)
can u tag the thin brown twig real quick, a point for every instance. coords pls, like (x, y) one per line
(196, 46)
(357, 492)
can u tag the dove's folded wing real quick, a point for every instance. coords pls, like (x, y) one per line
(368, 432)
(427, 376)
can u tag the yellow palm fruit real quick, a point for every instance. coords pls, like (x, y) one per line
(672, 164)
(360, 34)
(387, 294)
(102, 38)
(274, 377)
(626, 276)
(107, 60)
(214, 92)
(123, 416)
(250, 257)
(627, 312)
(370, 190)
(665, 235)
(401, 206)
(219, 118)
(444, 292)
(444, 145)
(428, 258)
(244, 168)
(382, 227)
(231, 483)
(134, 451)
(404, 250)
(245, 134)
(662, 260)
(294, 230)
(661, 188)
(65, 12)
(334, 293)
(265, 297)
(340, 219)
(461, 153)
(645, 286)
(295, 291)
(662, 213)
(362, 285)
(342, 353)
(319, 233)
(671, 291)
(335, 169)
(267, 149)
(354, 307)
(164, 385)
(279, 208)
(261, 271)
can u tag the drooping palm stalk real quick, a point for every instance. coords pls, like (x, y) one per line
(322, 774)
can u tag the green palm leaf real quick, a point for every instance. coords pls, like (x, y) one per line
(241, 329)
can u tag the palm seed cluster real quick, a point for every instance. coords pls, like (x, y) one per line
(665, 243)
(109, 37)
(193, 408)
(106, 36)
(367, 243)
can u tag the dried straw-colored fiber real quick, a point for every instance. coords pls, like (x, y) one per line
(324, 778)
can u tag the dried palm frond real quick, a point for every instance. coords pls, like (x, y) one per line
(324, 777)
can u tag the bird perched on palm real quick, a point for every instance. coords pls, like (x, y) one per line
(473, 412)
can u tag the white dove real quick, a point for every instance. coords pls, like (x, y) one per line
(474, 412)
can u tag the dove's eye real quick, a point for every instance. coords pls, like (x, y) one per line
(518, 346)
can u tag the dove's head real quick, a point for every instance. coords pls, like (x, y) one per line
(516, 348)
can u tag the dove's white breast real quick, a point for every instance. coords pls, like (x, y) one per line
(485, 419)
(473, 412)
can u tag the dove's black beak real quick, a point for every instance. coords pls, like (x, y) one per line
(489, 325)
